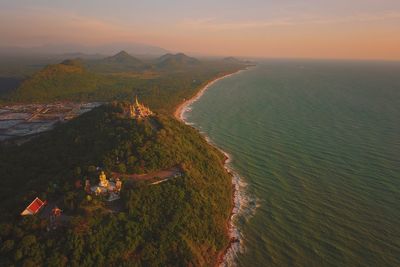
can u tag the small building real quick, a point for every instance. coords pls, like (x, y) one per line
(56, 211)
(54, 218)
(34, 207)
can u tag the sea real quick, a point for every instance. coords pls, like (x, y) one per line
(314, 147)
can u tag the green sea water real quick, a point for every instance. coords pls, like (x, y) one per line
(317, 148)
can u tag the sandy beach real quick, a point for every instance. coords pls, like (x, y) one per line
(181, 108)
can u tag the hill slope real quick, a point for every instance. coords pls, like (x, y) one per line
(177, 223)
(164, 90)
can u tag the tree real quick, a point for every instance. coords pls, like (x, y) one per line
(7, 246)
(121, 168)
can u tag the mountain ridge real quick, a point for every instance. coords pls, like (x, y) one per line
(178, 60)
(121, 61)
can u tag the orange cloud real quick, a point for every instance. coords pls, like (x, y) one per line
(363, 35)
(48, 25)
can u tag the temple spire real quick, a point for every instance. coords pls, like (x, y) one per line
(138, 111)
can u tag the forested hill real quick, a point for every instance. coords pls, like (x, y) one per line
(180, 222)
(120, 77)
(56, 82)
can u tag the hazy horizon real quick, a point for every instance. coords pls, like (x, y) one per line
(356, 29)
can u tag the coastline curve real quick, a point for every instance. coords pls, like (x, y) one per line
(241, 206)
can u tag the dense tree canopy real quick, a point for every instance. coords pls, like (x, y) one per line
(161, 88)
(180, 222)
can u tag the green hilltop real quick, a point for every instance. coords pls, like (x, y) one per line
(56, 82)
(181, 222)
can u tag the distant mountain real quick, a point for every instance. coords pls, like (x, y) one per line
(55, 82)
(80, 56)
(67, 66)
(119, 62)
(123, 58)
(108, 49)
(179, 60)
(132, 48)
(235, 61)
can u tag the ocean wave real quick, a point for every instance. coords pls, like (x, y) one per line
(188, 104)
(244, 208)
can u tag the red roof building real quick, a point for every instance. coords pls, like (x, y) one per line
(34, 207)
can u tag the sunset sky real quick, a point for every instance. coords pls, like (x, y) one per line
(365, 29)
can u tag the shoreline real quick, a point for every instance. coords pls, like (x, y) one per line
(181, 109)
(222, 259)
(231, 231)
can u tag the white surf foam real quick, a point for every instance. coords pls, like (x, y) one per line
(243, 209)
(244, 205)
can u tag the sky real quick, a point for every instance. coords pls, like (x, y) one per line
(354, 29)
